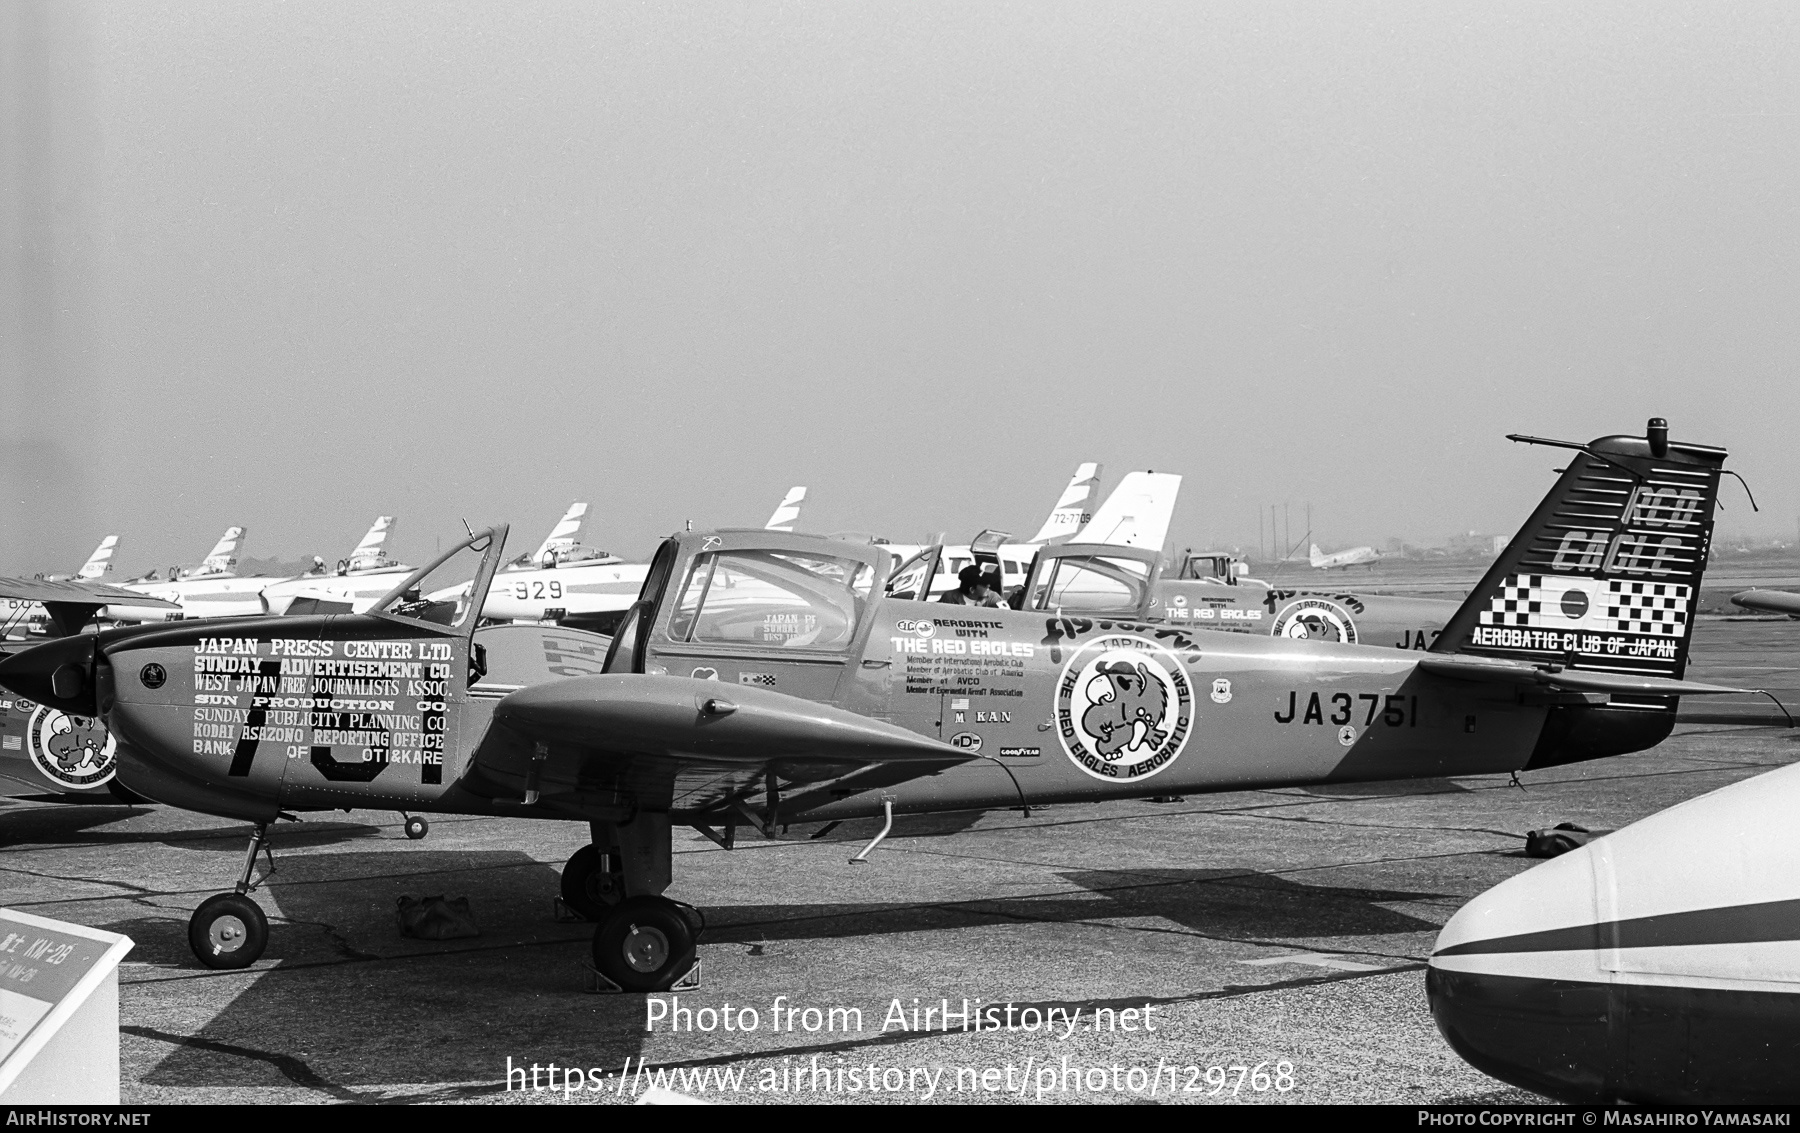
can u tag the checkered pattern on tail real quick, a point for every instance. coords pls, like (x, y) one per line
(1612, 606)
(1518, 602)
(1648, 607)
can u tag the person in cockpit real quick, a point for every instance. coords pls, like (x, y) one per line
(976, 587)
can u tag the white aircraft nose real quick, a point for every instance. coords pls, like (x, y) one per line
(1515, 984)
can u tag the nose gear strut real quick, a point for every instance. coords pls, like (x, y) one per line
(229, 930)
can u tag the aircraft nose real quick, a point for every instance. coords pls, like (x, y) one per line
(1516, 987)
(58, 673)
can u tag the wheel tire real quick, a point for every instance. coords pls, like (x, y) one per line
(588, 889)
(644, 944)
(228, 930)
(417, 827)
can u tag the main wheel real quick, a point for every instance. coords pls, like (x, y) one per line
(228, 930)
(588, 888)
(416, 827)
(645, 944)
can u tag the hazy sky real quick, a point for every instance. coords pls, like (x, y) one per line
(294, 265)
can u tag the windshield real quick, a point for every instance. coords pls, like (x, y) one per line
(779, 599)
(443, 596)
(913, 580)
(1093, 583)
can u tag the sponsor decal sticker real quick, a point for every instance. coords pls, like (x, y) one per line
(705, 674)
(1124, 707)
(1221, 691)
(1346, 735)
(967, 741)
(921, 627)
(761, 680)
(152, 675)
(1315, 619)
(75, 751)
(1022, 751)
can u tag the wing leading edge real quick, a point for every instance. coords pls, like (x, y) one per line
(686, 744)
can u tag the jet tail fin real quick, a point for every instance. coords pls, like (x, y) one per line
(1606, 572)
(787, 512)
(1138, 512)
(100, 561)
(372, 551)
(1074, 508)
(1317, 557)
(223, 557)
(566, 534)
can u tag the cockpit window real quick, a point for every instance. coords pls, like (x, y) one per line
(1092, 583)
(773, 599)
(442, 597)
(912, 580)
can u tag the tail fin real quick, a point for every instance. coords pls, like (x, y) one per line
(1317, 557)
(372, 551)
(566, 533)
(787, 513)
(1074, 508)
(223, 557)
(101, 560)
(1606, 572)
(1138, 512)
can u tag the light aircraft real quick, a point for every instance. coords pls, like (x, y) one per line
(764, 678)
(358, 580)
(583, 588)
(1089, 578)
(1658, 965)
(1356, 556)
(97, 566)
(44, 751)
(1768, 601)
(211, 590)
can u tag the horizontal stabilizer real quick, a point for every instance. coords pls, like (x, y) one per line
(1768, 601)
(703, 722)
(1467, 667)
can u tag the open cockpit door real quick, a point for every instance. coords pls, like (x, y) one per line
(626, 655)
(1088, 578)
(765, 608)
(445, 595)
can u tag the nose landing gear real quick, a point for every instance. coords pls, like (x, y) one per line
(229, 930)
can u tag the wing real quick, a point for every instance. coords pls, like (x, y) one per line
(692, 746)
(1465, 667)
(75, 593)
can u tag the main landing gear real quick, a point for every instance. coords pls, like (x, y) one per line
(229, 930)
(416, 826)
(644, 941)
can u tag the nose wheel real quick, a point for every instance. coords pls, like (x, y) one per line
(229, 930)
(646, 943)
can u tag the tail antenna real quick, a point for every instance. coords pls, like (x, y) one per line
(1746, 484)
